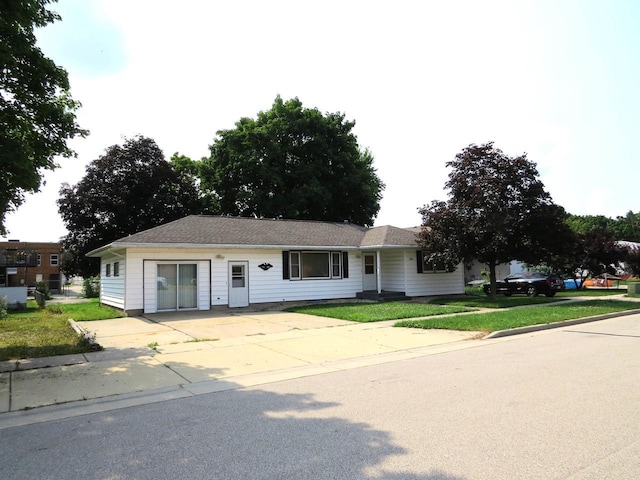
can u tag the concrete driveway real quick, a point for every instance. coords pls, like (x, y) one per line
(205, 345)
(173, 355)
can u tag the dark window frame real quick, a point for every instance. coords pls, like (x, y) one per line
(293, 265)
(430, 267)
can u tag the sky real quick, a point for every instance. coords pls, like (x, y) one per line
(555, 79)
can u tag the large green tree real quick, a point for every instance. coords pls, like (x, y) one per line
(498, 210)
(128, 189)
(627, 227)
(593, 251)
(292, 162)
(37, 113)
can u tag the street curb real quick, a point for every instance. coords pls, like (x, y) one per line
(565, 323)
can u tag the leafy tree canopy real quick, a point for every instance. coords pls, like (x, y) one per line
(37, 113)
(497, 211)
(128, 189)
(591, 252)
(623, 228)
(292, 162)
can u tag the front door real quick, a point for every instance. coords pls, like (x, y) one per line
(238, 284)
(369, 277)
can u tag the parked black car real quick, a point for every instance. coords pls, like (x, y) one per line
(529, 283)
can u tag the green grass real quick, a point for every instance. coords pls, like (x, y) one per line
(38, 337)
(36, 332)
(501, 301)
(591, 293)
(519, 317)
(85, 311)
(376, 312)
(90, 310)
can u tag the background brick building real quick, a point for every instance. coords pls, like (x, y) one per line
(26, 263)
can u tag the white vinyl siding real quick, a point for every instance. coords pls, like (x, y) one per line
(264, 285)
(112, 288)
(392, 270)
(398, 273)
(268, 285)
(421, 284)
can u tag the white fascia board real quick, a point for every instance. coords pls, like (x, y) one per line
(228, 246)
(388, 247)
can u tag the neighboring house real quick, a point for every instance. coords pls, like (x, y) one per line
(23, 264)
(202, 261)
(474, 271)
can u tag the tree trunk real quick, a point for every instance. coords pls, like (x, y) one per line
(492, 280)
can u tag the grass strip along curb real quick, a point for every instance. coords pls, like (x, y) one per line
(377, 312)
(524, 317)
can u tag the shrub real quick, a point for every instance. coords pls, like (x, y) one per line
(3, 306)
(91, 287)
(43, 288)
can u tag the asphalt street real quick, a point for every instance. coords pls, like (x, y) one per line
(555, 404)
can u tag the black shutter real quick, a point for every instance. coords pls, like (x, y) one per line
(285, 265)
(420, 260)
(345, 264)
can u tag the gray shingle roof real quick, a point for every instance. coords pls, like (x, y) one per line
(389, 236)
(205, 230)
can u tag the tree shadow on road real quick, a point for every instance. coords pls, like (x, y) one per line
(236, 433)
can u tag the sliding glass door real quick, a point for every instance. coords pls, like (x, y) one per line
(177, 286)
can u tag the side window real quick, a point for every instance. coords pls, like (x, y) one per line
(336, 258)
(53, 260)
(425, 265)
(294, 265)
(108, 270)
(116, 269)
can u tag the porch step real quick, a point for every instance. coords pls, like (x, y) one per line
(383, 296)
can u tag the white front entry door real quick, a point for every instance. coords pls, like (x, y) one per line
(238, 284)
(369, 274)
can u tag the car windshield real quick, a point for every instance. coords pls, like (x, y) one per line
(526, 275)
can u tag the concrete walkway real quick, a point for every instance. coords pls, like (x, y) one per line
(182, 354)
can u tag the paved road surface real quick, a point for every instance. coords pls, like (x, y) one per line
(560, 404)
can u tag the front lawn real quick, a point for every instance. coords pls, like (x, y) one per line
(484, 301)
(376, 312)
(520, 317)
(36, 332)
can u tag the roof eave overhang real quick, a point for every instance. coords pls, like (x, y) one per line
(386, 247)
(192, 246)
